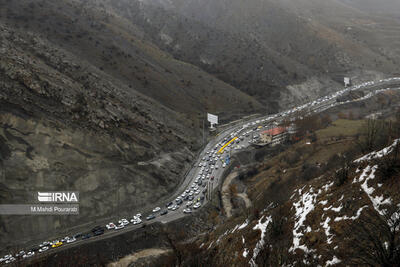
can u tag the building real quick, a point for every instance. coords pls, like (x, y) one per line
(274, 136)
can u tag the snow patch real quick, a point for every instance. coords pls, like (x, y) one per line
(245, 252)
(303, 207)
(324, 202)
(327, 186)
(327, 228)
(338, 208)
(244, 225)
(334, 260)
(380, 153)
(262, 226)
(337, 219)
(378, 200)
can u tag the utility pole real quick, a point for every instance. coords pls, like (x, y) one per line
(118, 198)
(203, 132)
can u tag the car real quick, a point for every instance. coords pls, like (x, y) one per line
(205, 190)
(156, 209)
(175, 207)
(9, 260)
(170, 207)
(86, 236)
(191, 198)
(197, 192)
(110, 226)
(139, 215)
(137, 221)
(46, 243)
(20, 254)
(197, 205)
(123, 221)
(119, 226)
(98, 232)
(179, 202)
(29, 254)
(58, 244)
(188, 210)
(164, 212)
(97, 228)
(71, 240)
(78, 235)
(169, 204)
(43, 249)
(212, 178)
(150, 217)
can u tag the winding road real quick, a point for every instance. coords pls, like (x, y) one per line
(240, 129)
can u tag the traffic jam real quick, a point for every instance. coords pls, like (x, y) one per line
(206, 172)
(191, 199)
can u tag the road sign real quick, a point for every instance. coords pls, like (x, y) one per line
(213, 119)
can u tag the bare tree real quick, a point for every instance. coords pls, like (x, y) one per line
(373, 239)
(371, 132)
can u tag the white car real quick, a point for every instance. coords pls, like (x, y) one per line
(137, 221)
(156, 209)
(29, 254)
(19, 254)
(43, 249)
(189, 204)
(110, 226)
(123, 221)
(71, 240)
(139, 215)
(120, 226)
(9, 260)
(197, 205)
(188, 210)
(175, 207)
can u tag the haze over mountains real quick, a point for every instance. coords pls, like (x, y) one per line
(108, 97)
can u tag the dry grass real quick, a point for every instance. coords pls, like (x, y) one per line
(341, 127)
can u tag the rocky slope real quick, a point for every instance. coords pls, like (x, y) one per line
(87, 105)
(262, 47)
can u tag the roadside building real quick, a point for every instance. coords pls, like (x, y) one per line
(274, 136)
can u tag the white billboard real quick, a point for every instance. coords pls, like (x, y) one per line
(213, 119)
(346, 81)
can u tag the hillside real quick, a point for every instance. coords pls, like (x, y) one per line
(309, 37)
(88, 105)
(320, 201)
(109, 98)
